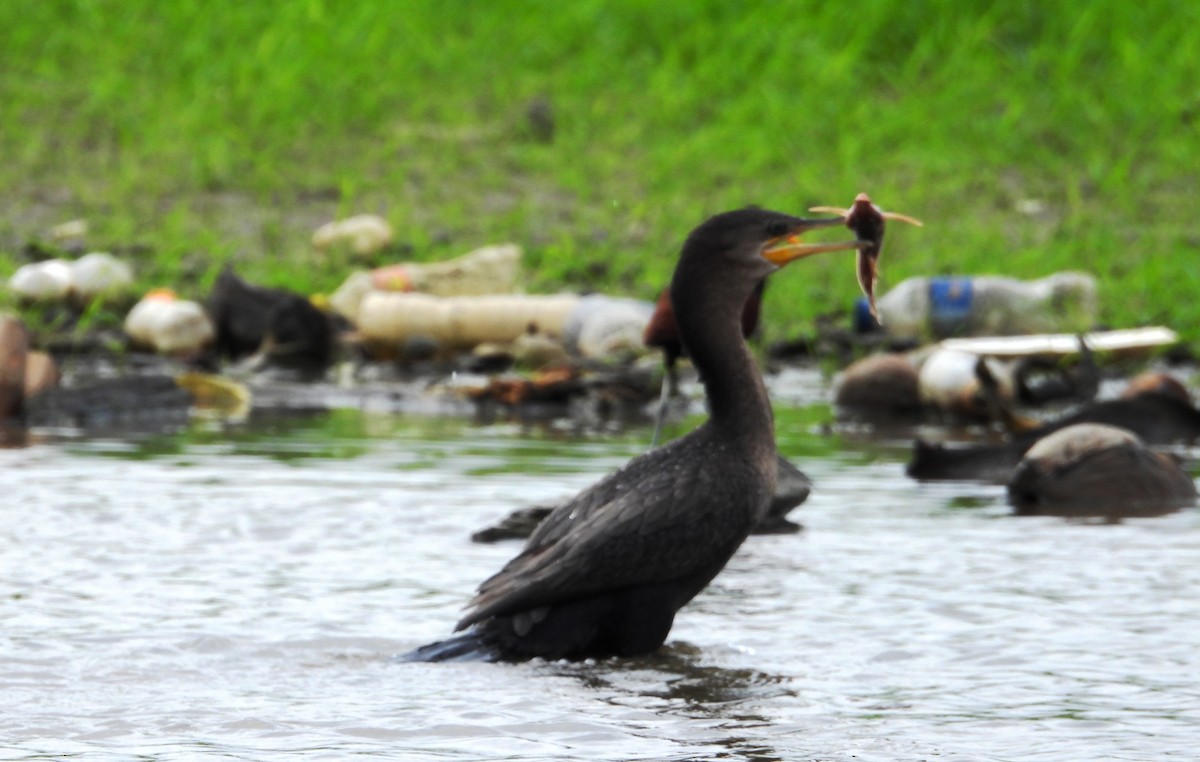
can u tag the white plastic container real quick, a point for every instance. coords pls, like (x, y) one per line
(947, 381)
(99, 274)
(987, 305)
(168, 325)
(55, 280)
(48, 281)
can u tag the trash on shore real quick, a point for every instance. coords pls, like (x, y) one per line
(164, 323)
(69, 232)
(487, 270)
(883, 385)
(269, 326)
(41, 373)
(98, 274)
(363, 234)
(24, 373)
(460, 322)
(215, 395)
(944, 307)
(949, 381)
(605, 327)
(46, 281)
(14, 345)
(1129, 342)
(553, 385)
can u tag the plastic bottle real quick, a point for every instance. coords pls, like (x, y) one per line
(607, 327)
(489, 270)
(460, 322)
(987, 305)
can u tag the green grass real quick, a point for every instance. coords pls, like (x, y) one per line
(191, 134)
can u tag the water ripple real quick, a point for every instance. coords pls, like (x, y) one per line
(244, 600)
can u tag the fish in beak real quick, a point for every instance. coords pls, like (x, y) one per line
(867, 221)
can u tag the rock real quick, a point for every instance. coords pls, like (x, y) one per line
(885, 384)
(14, 347)
(1097, 470)
(41, 373)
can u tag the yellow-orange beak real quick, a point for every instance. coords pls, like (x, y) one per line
(788, 248)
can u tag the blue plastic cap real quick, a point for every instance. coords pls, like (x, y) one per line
(864, 321)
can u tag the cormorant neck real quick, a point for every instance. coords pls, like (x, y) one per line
(709, 320)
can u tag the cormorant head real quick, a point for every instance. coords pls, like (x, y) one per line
(754, 242)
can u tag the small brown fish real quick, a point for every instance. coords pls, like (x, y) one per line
(867, 221)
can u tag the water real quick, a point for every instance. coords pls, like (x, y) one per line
(240, 595)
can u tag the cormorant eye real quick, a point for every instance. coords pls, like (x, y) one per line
(777, 229)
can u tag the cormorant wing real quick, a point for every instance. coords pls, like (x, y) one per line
(569, 514)
(656, 525)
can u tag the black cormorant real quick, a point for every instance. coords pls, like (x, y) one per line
(605, 573)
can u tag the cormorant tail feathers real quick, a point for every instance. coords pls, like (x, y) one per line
(470, 646)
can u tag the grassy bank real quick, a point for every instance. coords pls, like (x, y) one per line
(1031, 137)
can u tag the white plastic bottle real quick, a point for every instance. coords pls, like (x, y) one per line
(989, 305)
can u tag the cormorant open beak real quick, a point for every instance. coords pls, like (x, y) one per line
(788, 247)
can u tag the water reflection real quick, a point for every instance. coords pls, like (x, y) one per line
(683, 682)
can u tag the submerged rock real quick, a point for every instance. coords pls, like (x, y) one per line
(1098, 470)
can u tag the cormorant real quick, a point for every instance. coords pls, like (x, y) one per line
(605, 573)
(662, 332)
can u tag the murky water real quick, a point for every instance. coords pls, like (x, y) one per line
(240, 594)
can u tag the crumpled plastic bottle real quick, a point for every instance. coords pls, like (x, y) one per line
(986, 305)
